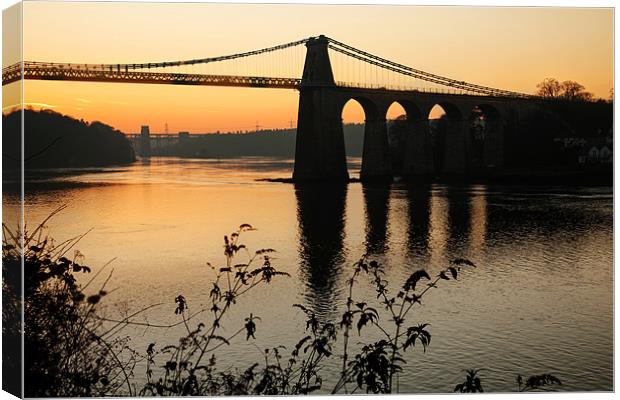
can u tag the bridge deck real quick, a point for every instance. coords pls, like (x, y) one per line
(56, 73)
(90, 73)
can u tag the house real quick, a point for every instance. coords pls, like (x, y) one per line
(597, 151)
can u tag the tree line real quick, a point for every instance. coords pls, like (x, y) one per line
(566, 90)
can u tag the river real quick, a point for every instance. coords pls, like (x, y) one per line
(540, 301)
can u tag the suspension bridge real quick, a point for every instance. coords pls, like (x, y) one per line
(328, 73)
(163, 73)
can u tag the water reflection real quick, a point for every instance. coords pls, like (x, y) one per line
(478, 224)
(438, 227)
(321, 217)
(441, 223)
(377, 206)
(458, 222)
(458, 211)
(418, 207)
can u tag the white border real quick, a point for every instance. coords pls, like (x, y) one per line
(523, 3)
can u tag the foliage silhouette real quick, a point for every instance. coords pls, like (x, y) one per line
(472, 383)
(70, 352)
(551, 88)
(64, 353)
(536, 382)
(190, 367)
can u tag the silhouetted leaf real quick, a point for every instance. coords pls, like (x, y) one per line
(417, 333)
(215, 292)
(361, 322)
(413, 280)
(302, 341)
(264, 251)
(463, 261)
(246, 227)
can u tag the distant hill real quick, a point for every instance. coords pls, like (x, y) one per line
(56, 140)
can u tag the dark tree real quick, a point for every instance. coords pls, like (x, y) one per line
(567, 90)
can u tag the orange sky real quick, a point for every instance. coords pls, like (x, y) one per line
(511, 48)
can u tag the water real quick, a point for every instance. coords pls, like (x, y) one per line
(541, 300)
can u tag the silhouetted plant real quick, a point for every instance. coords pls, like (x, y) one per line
(191, 365)
(190, 368)
(536, 382)
(472, 383)
(373, 368)
(64, 353)
(70, 353)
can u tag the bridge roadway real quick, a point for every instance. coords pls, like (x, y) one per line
(94, 73)
(69, 72)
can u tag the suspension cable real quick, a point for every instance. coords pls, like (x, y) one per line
(134, 66)
(427, 76)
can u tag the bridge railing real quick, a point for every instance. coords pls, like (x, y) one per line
(405, 88)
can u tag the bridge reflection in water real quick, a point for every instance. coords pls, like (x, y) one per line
(440, 224)
(377, 206)
(321, 217)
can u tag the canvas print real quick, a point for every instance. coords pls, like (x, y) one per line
(211, 199)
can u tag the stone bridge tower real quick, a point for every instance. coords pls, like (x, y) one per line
(319, 151)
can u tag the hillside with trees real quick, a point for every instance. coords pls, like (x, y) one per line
(54, 140)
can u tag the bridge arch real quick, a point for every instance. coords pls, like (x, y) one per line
(353, 113)
(407, 137)
(375, 148)
(450, 111)
(412, 111)
(370, 108)
(446, 131)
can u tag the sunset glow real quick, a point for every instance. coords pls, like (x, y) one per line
(511, 48)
